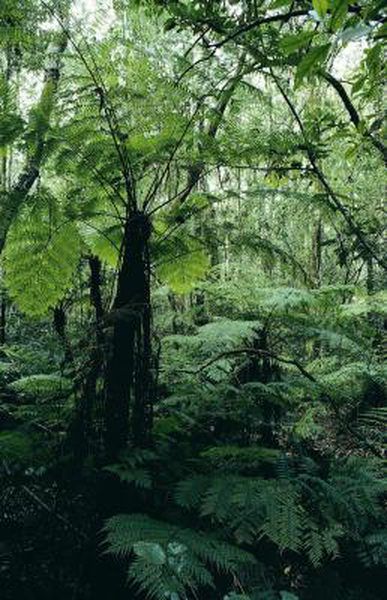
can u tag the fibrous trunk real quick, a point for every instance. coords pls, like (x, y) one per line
(3, 315)
(128, 363)
(60, 322)
(85, 429)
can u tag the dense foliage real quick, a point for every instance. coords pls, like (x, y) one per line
(192, 300)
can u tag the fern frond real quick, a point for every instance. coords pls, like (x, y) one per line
(42, 387)
(372, 550)
(321, 543)
(169, 559)
(133, 468)
(41, 257)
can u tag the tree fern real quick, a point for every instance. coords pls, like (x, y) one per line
(238, 457)
(133, 468)
(167, 558)
(284, 510)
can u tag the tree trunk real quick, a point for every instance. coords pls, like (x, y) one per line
(317, 253)
(376, 321)
(59, 323)
(128, 364)
(370, 277)
(262, 369)
(316, 274)
(11, 201)
(85, 430)
(3, 316)
(95, 294)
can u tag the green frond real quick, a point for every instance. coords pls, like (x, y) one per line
(15, 446)
(133, 468)
(168, 558)
(184, 263)
(284, 517)
(189, 492)
(21, 449)
(237, 456)
(42, 387)
(372, 549)
(41, 257)
(105, 242)
(321, 543)
(11, 123)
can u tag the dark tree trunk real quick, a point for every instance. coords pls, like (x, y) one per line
(91, 409)
(60, 322)
(3, 319)
(128, 365)
(128, 375)
(262, 369)
(84, 433)
(376, 321)
(370, 275)
(316, 274)
(317, 253)
(95, 292)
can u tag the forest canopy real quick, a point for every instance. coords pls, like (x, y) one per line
(192, 300)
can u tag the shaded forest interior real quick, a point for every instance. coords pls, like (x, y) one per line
(192, 300)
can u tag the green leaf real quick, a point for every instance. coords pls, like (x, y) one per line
(280, 3)
(139, 477)
(292, 42)
(287, 595)
(321, 7)
(183, 269)
(151, 552)
(104, 242)
(15, 445)
(11, 123)
(170, 558)
(42, 387)
(41, 258)
(339, 13)
(314, 58)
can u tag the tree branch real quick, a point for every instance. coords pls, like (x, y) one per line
(335, 202)
(257, 352)
(353, 114)
(257, 23)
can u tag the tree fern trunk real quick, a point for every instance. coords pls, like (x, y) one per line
(85, 430)
(128, 363)
(95, 294)
(3, 318)
(60, 323)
